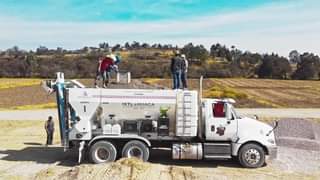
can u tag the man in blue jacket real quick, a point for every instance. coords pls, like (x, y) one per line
(175, 67)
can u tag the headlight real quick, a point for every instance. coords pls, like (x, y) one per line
(271, 141)
(261, 132)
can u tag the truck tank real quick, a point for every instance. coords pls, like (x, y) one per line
(170, 112)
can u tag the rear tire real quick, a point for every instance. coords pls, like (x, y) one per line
(136, 149)
(102, 152)
(251, 156)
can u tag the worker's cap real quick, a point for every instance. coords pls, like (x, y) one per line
(112, 56)
(183, 56)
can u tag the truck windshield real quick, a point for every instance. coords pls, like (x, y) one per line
(219, 109)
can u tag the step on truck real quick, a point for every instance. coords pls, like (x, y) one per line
(112, 123)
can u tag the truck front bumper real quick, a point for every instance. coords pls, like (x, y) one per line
(273, 152)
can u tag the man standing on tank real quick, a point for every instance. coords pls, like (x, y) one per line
(184, 71)
(175, 67)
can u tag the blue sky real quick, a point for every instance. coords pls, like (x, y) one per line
(254, 25)
(118, 10)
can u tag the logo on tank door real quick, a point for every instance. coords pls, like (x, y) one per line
(221, 130)
(137, 105)
(84, 94)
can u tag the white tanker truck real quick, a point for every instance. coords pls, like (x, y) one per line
(114, 123)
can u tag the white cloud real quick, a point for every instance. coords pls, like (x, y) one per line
(273, 28)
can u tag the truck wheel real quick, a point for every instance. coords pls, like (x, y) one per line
(103, 151)
(136, 149)
(251, 156)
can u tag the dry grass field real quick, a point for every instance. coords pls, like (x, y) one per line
(258, 92)
(21, 94)
(6, 83)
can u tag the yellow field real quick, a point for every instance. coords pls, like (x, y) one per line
(32, 106)
(258, 92)
(6, 83)
(22, 94)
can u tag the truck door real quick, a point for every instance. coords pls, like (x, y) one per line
(221, 123)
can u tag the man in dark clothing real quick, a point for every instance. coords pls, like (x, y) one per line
(49, 127)
(175, 67)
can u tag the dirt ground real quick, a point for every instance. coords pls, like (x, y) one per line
(23, 156)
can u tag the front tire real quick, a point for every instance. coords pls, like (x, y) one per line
(136, 149)
(251, 156)
(102, 152)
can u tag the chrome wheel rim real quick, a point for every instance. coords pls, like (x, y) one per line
(136, 152)
(252, 156)
(102, 154)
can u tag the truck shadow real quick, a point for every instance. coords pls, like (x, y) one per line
(55, 155)
(42, 155)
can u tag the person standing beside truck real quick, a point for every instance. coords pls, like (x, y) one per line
(49, 127)
(176, 69)
(184, 71)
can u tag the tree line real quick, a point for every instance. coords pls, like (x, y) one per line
(144, 60)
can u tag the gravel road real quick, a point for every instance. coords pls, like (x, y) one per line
(282, 112)
(268, 112)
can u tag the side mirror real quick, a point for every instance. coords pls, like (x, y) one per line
(275, 125)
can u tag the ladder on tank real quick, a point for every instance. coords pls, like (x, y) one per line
(186, 120)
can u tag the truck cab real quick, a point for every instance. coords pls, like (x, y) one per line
(243, 137)
(220, 120)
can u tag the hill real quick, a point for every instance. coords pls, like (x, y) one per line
(154, 61)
